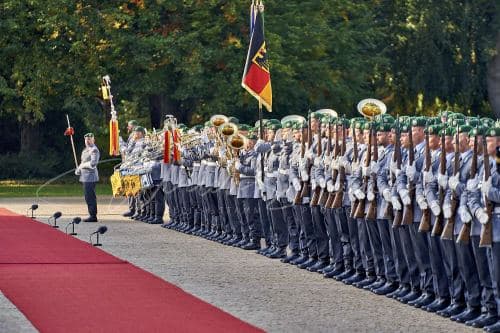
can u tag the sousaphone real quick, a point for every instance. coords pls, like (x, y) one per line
(371, 108)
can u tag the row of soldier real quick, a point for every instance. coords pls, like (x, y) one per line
(408, 208)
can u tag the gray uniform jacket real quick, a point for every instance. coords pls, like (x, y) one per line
(282, 183)
(247, 166)
(383, 179)
(88, 165)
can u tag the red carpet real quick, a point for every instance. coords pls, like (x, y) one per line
(85, 289)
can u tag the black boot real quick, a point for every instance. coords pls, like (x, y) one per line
(469, 314)
(292, 256)
(310, 262)
(452, 310)
(438, 305)
(387, 288)
(486, 319)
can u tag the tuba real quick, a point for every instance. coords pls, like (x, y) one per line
(371, 108)
(236, 142)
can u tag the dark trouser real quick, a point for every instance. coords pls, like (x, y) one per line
(441, 283)
(169, 199)
(205, 202)
(384, 227)
(365, 247)
(240, 210)
(293, 231)
(298, 238)
(131, 204)
(280, 233)
(232, 211)
(90, 198)
(223, 215)
(409, 253)
(495, 271)
(336, 253)
(194, 194)
(264, 221)
(354, 240)
(421, 247)
(320, 233)
(398, 255)
(343, 231)
(159, 201)
(455, 281)
(306, 225)
(187, 207)
(482, 264)
(252, 216)
(467, 267)
(376, 246)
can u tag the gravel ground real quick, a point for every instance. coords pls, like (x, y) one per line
(261, 291)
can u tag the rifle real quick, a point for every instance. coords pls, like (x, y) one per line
(464, 234)
(398, 214)
(408, 209)
(372, 207)
(425, 222)
(323, 198)
(355, 159)
(450, 223)
(339, 195)
(486, 237)
(305, 191)
(438, 223)
(298, 199)
(319, 152)
(360, 208)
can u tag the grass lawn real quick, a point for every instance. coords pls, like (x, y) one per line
(16, 190)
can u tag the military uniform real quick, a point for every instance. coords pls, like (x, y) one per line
(89, 176)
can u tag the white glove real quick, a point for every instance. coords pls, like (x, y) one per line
(317, 161)
(322, 183)
(453, 182)
(354, 166)
(421, 202)
(313, 184)
(387, 194)
(348, 168)
(436, 210)
(344, 161)
(308, 155)
(411, 171)
(336, 187)
(472, 184)
(396, 204)
(78, 172)
(447, 211)
(464, 214)
(296, 184)
(329, 186)
(393, 166)
(370, 196)
(428, 177)
(352, 198)
(405, 197)
(443, 181)
(359, 194)
(365, 171)
(481, 216)
(237, 165)
(397, 172)
(335, 164)
(374, 167)
(85, 165)
(486, 186)
(305, 176)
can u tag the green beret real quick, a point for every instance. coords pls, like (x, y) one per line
(297, 125)
(244, 127)
(385, 127)
(433, 121)
(233, 120)
(353, 121)
(404, 119)
(487, 122)
(208, 124)
(434, 129)
(419, 122)
(457, 122)
(344, 122)
(465, 129)
(264, 122)
(316, 115)
(472, 121)
(360, 124)
(385, 119)
(367, 125)
(445, 113)
(457, 115)
(132, 123)
(140, 129)
(477, 131)
(197, 127)
(448, 131)
(89, 135)
(252, 136)
(404, 128)
(493, 131)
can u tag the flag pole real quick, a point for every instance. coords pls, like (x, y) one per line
(261, 136)
(72, 143)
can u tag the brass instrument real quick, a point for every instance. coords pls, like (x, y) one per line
(236, 142)
(371, 108)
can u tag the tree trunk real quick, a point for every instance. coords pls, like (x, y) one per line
(494, 80)
(30, 137)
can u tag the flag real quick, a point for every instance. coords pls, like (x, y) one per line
(256, 76)
(114, 144)
(166, 152)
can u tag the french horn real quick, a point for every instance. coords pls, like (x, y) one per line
(371, 108)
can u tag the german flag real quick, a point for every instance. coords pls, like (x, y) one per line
(256, 77)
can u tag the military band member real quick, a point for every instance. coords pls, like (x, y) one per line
(89, 176)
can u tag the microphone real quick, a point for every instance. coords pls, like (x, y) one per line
(101, 230)
(55, 216)
(76, 220)
(32, 208)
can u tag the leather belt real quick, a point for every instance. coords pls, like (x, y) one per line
(244, 176)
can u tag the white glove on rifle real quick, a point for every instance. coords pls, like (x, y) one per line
(347, 165)
(405, 197)
(411, 171)
(354, 166)
(335, 164)
(352, 198)
(317, 161)
(237, 165)
(322, 183)
(374, 167)
(393, 167)
(370, 196)
(436, 210)
(387, 194)
(396, 204)
(482, 216)
(464, 214)
(421, 202)
(428, 177)
(443, 181)
(78, 172)
(305, 176)
(329, 186)
(486, 186)
(365, 171)
(473, 184)
(359, 194)
(453, 182)
(313, 184)
(447, 211)
(296, 184)
(336, 187)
